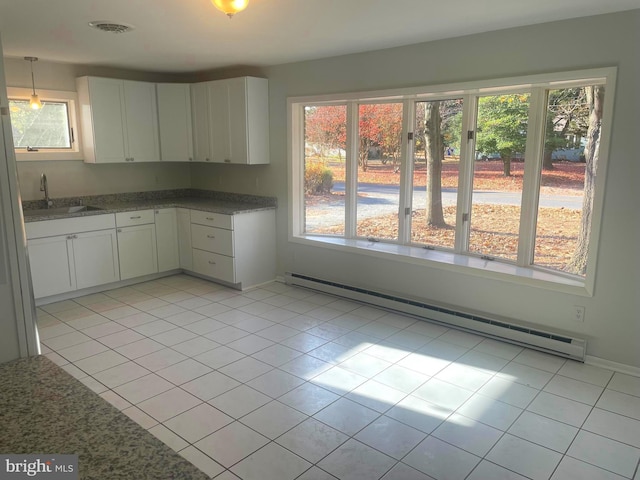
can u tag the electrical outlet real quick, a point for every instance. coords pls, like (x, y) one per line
(578, 313)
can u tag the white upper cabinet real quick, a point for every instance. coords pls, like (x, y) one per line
(119, 120)
(200, 122)
(231, 120)
(220, 128)
(174, 120)
(249, 120)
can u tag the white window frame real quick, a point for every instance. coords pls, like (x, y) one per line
(71, 99)
(458, 260)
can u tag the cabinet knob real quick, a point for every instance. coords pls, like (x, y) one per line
(211, 236)
(69, 237)
(226, 160)
(210, 219)
(190, 159)
(206, 160)
(119, 230)
(211, 262)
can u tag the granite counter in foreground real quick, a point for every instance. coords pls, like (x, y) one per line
(44, 410)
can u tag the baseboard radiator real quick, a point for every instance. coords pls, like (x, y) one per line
(548, 342)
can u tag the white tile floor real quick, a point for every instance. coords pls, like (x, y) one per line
(280, 383)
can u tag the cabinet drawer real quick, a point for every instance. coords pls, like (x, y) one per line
(212, 219)
(64, 226)
(214, 265)
(138, 217)
(211, 239)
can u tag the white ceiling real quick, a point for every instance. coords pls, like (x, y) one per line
(191, 35)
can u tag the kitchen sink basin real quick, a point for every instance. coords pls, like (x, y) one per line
(61, 210)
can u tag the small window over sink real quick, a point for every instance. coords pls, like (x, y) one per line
(48, 133)
(45, 128)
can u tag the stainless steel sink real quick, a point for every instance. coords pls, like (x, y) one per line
(61, 210)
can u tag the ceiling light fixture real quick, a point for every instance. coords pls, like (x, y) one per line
(230, 7)
(35, 101)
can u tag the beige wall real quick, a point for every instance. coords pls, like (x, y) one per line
(612, 322)
(75, 178)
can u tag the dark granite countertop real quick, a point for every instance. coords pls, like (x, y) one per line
(44, 410)
(208, 201)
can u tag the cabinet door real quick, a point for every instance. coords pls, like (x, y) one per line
(256, 121)
(167, 239)
(51, 262)
(184, 239)
(105, 118)
(95, 257)
(141, 121)
(137, 251)
(200, 122)
(174, 121)
(238, 132)
(219, 119)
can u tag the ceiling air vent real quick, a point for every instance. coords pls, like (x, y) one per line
(111, 27)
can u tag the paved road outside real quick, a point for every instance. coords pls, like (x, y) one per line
(376, 200)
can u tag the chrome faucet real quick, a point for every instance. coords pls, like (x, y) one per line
(44, 187)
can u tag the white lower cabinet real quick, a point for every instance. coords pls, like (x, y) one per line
(237, 249)
(94, 255)
(167, 239)
(52, 269)
(64, 256)
(215, 266)
(184, 238)
(77, 253)
(137, 249)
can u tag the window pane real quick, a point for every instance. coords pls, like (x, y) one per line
(47, 127)
(325, 133)
(435, 172)
(571, 145)
(501, 134)
(378, 194)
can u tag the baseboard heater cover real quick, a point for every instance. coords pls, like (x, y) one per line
(568, 347)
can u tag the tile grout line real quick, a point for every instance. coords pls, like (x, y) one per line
(369, 377)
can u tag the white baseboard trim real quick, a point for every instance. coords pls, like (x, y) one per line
(104, 288)
(588, 359)
(608, 364)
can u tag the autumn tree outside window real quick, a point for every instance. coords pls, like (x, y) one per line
(505, 171)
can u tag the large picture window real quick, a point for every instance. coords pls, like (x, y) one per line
(505, 172)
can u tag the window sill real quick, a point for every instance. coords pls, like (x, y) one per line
(43, 156)
(469, 265)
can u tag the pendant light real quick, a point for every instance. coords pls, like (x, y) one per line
(230, 7)
(35, 101)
